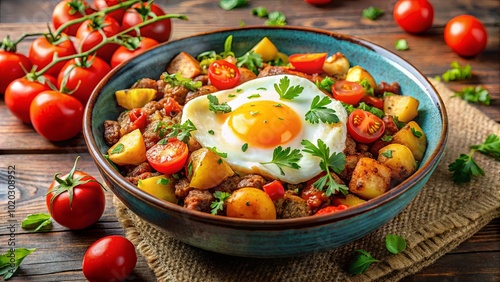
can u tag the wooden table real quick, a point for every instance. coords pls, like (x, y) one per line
(35, 160)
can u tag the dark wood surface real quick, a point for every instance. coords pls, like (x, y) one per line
(60, 251)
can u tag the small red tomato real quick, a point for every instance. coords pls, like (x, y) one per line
(13, 66)
(159, 31)
(373, 101)
(56, 116)
(274, 189)
(331, 209)
(138, 118)
(466, 35)
(223, 75)
(116, 14)
(124, 53)
(68, 10)
(318, 2)
(171, 107)
(365, 127)
(75, 200)
(89, 35)
(347, 91)
(111, 258)
(42, 51)
(168, 158)
(414, 16)
(308, 63)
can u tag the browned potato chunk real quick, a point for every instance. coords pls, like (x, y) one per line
(399, 159)
(246, 75)
(414, 139)
(403, 107)
(336, 65)
(186, 64)
(206, 169)
(370, 179)
(251, 203)
(358, 74)
(349, 200)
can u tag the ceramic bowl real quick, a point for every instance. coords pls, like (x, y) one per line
(269, 238)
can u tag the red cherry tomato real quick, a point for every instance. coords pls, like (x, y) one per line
(111, 258)
(82, 76)
(159, 31)
(223, 75)
(116, 14)
(89, 35)
(373, 101)
(331, 209)
(171, 107)
(124, 53)
(347, 91)
(68, 10)
(274, 189)
(138, 118)
(42, 51)
(168, 158)
(308, 63)
(75, 200)
(12, 64)
(466, 35)
(56, 116)
(365, 127)
(414, 16)
(318, 2)
(21, 92)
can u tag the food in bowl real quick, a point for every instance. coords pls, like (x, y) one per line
(265, 135)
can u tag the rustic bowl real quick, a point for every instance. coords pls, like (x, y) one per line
(269, 238)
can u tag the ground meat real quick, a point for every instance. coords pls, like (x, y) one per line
(178, 93)
(182, 188)
(385, 87)
(246, 75)
(350, 146)
(151, 135)
(204, 90)
(146, 83)
(203, 78)
(111, 132)
(291, 206)
(193, 145)
(135, 179)
(229, 185)
(390, 126)
(277, 70)
(151, 107)
(199, 200)
(350, 164)
(139, 169)
(252, 180)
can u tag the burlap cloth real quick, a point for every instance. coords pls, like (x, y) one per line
(442, 216)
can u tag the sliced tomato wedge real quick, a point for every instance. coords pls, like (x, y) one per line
(138, 118)
(310, 63)
(365, 127)
(168, 158)
(223, 75)
(347, 91)
(373, 101)
(331, 209)
(274, 190)
(171, 107)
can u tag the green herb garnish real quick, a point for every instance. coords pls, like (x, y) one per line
(214, 106)
(401, 45)
(287, 92)
(372, 13)
(244, 148)
(177, 79)
(416, 133)
(360, 262)
(231, 4)
(37, 222)
(457, 72)
(474, 95)
(220, 154)
(251, 61)
(285, 158)
(181, 131)
(218, 204)
(318, 111)
(325, 84)
(260, 12)
(7, 266)
(256, 95)
(275, 19)
(395, 244)
(387, 154)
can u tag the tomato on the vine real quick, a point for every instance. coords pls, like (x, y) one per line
(414, 16)
(81, 76)
(168, 158)
(42, 51)
(13, 64)
(116, 14)
(159, 31)
(56, 116)
(309, 63)
(223, 75)
(89, 35)
(318, 2)
(348, 92)
(68, 10)
(75, 200)
(466, 35)
(365, 127)
(133, 48)
(111, 258)
(21, 92)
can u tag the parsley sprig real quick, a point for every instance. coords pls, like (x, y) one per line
(325, 84)
(372, 13)
(286, 91)
(318, 111)
(218, 204)
(457, 72)
(251, 61)
(474, 95)
(181, 131)
(285, 158)
(177, 79)
(335, 162)
(214, 106)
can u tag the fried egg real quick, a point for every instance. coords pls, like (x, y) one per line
(260, 120)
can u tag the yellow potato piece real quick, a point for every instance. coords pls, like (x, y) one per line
(134, 98)
(159, 186)
(206, 169)
(358, 74)
(129, 150)
(283, 57)
(406, 136)
(403, 107)
(266, 49)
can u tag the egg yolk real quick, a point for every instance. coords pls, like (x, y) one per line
(265, 124)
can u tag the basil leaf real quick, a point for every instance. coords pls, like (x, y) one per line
(37, 222)
(231, 4)
(394, 243)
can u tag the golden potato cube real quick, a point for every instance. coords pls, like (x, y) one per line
(370, 179)
(206, 169)
(358, 74)
(160, 186)
(186, 64)
(349, 200)
(336, 65)
(399, 159)
(134, 98)
(408, 137)
(129, 150)
(266, 49)
(403, 107)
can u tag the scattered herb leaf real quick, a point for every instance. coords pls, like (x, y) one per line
(387, 154)
(231, 4)
(401, 45)
(244, 148)
(275, 19)
(325, 84)
(360, 262)
(260, 12)
(257, 95)
(163, 181)
(457, 72)
(474, 95)
(285, 158)
(220, 154)
(37, 222)
(250, 60)
(416, 133)
(372, 13)
(181, 131)
(117, 149)
(218, 204)
(214, 106)
(395, 244)
(318, 111)
(177, 79)
(287, 92)
(386, 138)
(9, 267)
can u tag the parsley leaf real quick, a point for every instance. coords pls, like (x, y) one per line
(251, 61)
(464, 168)
(276, 19)
(372, 13)
(231, 4)
(285, 158)
(218, 204)
(394, 243)
(474, 95)
(244, 147)
(256, 95)
(260, 12)
(7, 267)
(374, 110)
(490, 147)
(318, 111)
(457, 72)
(37, 222)
(416, 133)
(401, 45)
(177, 79)
(117, 149)
(325, 84)
(367, 87)
(386, 138)
(399, 124)
(220, 154)
(181, 131)
(335, 162)
(387, 154)
(287, 92)
(360, 262)
(214, 106)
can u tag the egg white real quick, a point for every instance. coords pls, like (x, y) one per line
(213, 131)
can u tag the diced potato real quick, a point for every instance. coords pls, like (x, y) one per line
(186, 64)
(336, 65)
(370, 179)
(406, 136)
(206, 169)
(134, 98)
(349, 200)
(266, 49)
(403, 107)
(252, 203)
(399, 159)
(129, 150)
(358, 74)
(159, 186)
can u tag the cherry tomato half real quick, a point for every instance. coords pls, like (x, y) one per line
(171, 107)
(365, 127)
(373, 101)
(414, 16)
(466, 35)
(168, 158)
(223, 75)
(331, 209)
(111, 258)
(274, 189)
(347, 91)
(308, 63)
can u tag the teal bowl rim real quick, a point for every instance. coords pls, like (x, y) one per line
(279, 224)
